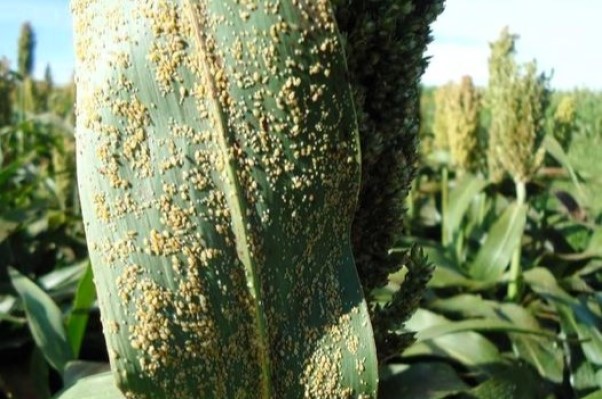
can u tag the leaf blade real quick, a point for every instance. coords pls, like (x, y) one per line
(100, 386)
(460, 199)
(78, 318)
(504, 236)
(45, 321)
(219, 196)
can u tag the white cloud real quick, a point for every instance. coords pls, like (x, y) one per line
(451, 62)
(562, 35)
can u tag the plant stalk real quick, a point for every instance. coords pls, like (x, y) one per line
(514, 286)
(446, 238)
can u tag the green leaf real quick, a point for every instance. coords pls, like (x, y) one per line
(63, 279)
(444, 277)
(45, 321)
(78, 369)
(78, 317)
(594, 247)
(504, 236)
(11, 221)
(553, 147)
(9, 170)
(432, 380)
(465, 306)
(581, 319)
(480, 207)
(7, 228)
(100, 386)
(219, 171)
(7, 304)
(576, 321)
(513, 382)
(468, 348)
(594, 395)
(545, 355)
(582, 372)
(477, 325)
(40, 372)
(447, 272)
(467, 188)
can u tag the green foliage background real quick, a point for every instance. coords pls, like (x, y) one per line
(472, 339)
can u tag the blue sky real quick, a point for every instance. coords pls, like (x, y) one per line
(563, 35)
(51, 21)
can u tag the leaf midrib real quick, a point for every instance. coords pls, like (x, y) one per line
(237, 204)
